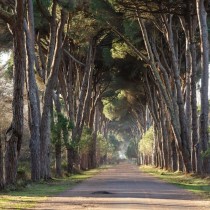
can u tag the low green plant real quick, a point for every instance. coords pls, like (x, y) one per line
(207, 152)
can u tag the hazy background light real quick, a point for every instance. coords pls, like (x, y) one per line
(4, 57)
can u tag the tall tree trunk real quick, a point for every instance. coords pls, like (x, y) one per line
(92, 154)
(189, 25)
(155, 152)
(179, 131)
(173, 156)
(33, 97)
(45, 121)
(52, 43)
(70, 149)
(179, 160)
(164, 135)
(84, 92)
(58, 160)
(70, 91)
(202, 20)
(1, 165)
(195, 150)
(70, 159)
(83, 99)
(180, 101)
(15, 132)
(58, 140)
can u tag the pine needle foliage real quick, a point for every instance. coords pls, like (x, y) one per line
(146, 143)
(60, 130)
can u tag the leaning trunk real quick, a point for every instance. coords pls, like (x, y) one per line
(180, 133)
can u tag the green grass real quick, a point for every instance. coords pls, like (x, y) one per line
(27, 197)
(191, 182)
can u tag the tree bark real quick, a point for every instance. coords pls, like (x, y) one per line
(52, 43)
(92, 154)
(164, 143)
(58, 142)
(71, 159)
(173, 156)
(15, 131)
(195, 156)
(180, 101)
(45, 121)
(58, 160)
(202, 20)
(84, 92)
(70, 91)
(34, 102)
(83, 99)
(154, 151)
(1, 165)
(180, 132)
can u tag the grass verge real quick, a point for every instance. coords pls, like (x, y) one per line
(191, 182)
(31, 194)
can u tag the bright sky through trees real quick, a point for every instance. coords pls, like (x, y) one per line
(4, 58)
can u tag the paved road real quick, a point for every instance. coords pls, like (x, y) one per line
(124, 187)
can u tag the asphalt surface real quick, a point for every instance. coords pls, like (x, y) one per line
(124, 187)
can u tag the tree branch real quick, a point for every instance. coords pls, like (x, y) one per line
(6, 16)
(44, 12)
(135, 50)
(73, 58)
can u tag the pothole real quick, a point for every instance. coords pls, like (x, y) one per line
(102, 192)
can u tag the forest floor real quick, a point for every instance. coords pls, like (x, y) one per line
(124, 187)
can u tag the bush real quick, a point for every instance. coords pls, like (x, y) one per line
(146, 143)
(85, 141)
(22, 174)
